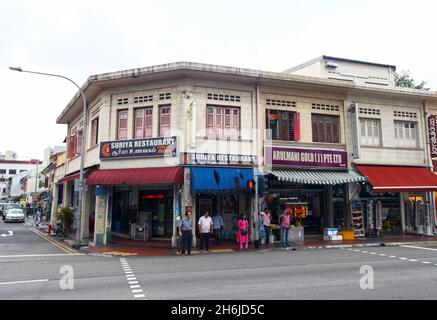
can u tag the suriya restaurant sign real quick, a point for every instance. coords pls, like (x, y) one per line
(213, 159)
(305, 158)
(139, 148)
(432, 128)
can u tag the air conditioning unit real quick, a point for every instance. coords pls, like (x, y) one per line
(331, 64)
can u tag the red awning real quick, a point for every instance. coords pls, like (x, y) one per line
(399, 179)
(69, 177)
(153, 176)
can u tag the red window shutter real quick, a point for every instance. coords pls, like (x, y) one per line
(218, 121)
(78, 143)
(164, 121)
(296, 124)
(70, 152)
(139, 120)
(122, 125)
(236, 122)
(210, 121)
(148, 122)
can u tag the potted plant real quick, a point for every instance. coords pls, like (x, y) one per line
(66, 216)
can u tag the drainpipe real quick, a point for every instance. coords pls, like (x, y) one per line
(430, 195)
(256, 165)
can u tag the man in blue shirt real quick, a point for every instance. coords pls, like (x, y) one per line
(217, 222)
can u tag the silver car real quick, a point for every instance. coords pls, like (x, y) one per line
(15, 215)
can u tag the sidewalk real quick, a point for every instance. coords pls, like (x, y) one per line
(126, 247)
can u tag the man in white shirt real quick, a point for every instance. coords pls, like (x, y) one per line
(205, 230)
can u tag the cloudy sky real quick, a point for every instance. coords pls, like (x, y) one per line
(79, 38)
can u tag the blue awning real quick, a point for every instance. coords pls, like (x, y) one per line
(213, 180)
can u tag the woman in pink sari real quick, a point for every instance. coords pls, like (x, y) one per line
(243, 232)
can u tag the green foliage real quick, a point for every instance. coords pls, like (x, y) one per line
(66, 216)
(403, 79)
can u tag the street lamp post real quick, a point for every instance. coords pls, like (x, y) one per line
(82, 152)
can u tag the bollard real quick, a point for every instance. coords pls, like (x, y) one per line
(49, 230)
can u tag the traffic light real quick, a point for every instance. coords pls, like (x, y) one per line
(251, 186)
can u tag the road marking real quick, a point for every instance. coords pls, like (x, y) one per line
(10, 234)
(426, 262)
(413, 260)
(414, 247)
(372, 252)
(402, 258)
(41, 255)
(382, 254)
(392, 256)
(55, 243)
(133, 284)
(365, 251)
(25, 281)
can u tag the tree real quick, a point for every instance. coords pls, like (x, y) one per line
(403, 79)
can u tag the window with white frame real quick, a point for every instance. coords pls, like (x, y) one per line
(406, 134)
(370, 132)
(143, 123)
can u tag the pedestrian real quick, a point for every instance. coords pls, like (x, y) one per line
(217, 221)
(243, 230)
(266, 219)
(205, 230)
(186, 232)
(285, 226)
(38, 216)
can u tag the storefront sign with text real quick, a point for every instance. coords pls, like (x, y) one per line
(212, 159)
(139, 148)
(305, 158)
(432, 128)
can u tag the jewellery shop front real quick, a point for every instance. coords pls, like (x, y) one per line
(312, 183)
(218, 184)
(397, 200)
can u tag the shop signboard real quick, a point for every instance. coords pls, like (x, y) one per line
(356, 150)
(432, 131)
(138, 148)
(213, 159)
(305, 158)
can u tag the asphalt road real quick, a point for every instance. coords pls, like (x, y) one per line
(31, 268)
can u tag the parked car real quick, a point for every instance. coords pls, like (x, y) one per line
(15, 215)
(8, 207)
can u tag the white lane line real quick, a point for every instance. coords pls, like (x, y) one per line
(365, 251)
(132, 280)
(392, 256)
(403, 258)
(382, 254)
(421, 248)
(357, 250)
(41, 255)
(373, 253)
(413, 260)
(25, 281)
(426, 262)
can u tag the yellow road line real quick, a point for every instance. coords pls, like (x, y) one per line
(54, 243)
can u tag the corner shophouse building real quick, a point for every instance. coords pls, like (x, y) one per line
(209, 112)
(388, 143)
(161, 141)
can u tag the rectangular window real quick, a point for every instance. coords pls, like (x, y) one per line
(164, 121)
(223, 121)
(12, 171)
(405, 134)
(122, 124)
(282, 125)
(143, 123)
(2, 171)
(370, 132)
(325, 128)
(94, 132)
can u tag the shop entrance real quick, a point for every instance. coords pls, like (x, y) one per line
(122, 215)
(156, 211)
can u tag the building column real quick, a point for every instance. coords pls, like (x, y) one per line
(101, 211)
(330, 206)
(429, 214)
(54, 208)
(84, 219)
(347, 208)
(188, 202)
(403, 212)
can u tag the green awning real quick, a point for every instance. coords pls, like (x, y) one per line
(317, 177)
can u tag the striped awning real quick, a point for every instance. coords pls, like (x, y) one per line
(317, 177)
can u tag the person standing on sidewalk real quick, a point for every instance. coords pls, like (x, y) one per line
(266, 218)
(243, 229)
(285, 227)
(37, 216)
(205, 230)
(217, 221)
(186, 232)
